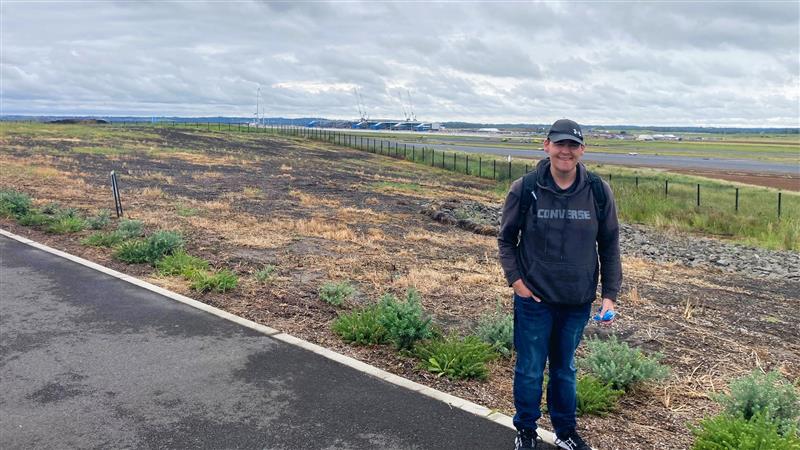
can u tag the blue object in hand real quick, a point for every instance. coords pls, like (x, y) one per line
(608, 316)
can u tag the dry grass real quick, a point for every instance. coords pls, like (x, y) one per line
(327, 229)
(150, 193)
(314, 201)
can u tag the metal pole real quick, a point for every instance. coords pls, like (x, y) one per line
(779, 204)
(666, 188)
(509, 170)
(494, 169)
(698, 194)
(737, 200)
(480, 168)
(637, 182)
(466, 163)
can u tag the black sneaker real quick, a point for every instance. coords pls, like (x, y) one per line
(526, 439)
(571, 441)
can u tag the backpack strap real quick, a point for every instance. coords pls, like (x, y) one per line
(527, 199)
(599, 192)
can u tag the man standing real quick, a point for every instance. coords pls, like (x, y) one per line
(557, 220)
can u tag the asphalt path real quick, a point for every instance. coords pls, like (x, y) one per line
(91, 361)
(640, 160)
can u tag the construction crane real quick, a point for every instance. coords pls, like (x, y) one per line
(411, 114)
(362, 109)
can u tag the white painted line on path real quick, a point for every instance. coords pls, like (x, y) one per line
(453, 401)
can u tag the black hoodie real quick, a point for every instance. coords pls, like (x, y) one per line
(556, 255)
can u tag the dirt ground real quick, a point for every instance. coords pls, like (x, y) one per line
(778, 181)
(323, 213)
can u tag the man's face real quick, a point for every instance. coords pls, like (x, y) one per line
(564, 155)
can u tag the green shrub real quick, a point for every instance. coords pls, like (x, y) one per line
(405, 322)
(181, 263)
(162, 243)
(595, 397)
(129, 229)
(265, 274)
(100, 239)
(220, 281)
(67, 223)
(456, 358)
(361, 327)
(497, 329)
(51, 208)
(100, 220)
(769, 395)
(620, 366)
(336, 293)
(14, 204)
(34, 218)
(724, 432)
(132, 252)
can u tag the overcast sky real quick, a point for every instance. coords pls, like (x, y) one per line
(659, 63)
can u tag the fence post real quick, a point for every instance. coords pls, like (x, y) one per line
(494, 169)
(442, 159)
(666, 188)
(779, 204)
(454, 161)
(381, 146)
(509, 170)
(466, 163)
(637, 182)
(698, 194)
(433, 158)
(736, 208)
(480, 168)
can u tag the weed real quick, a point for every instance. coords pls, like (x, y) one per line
(595, 397)
(34, 218)
(162, 243)
(731, 432)
(185, 211)
(181, 263)
(767, 394)
(220, 281)
(620, 366)
(132, 252)
(361, 327)
(497, 329)
(99, 221)
(66, 224)
(336, 293)
(265, 274)
(14, 204)
(100, 239)
(405, 322)
(129, 229)
(456, 358)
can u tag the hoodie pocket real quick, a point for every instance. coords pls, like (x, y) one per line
(562, 283)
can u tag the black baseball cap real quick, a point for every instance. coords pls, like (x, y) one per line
(565, 129)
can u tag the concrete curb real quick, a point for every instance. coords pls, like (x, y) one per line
(451, 400)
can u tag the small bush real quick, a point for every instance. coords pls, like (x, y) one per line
(129, 229)
(221, 281)
(497, 329)
(336, 293)
(265, 274)
(620, 366)
(729, 432)
(100, 220)
(361, 327)
(132, 252)
(51, 208)
(67, 223)
(456, 358)
(34, 218)
(769, 395)
(405, 322)
(595, 397)
(162, 243)
(14, 204)
(101, 239)
(181, 263)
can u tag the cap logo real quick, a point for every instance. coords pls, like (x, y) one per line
(576, 132)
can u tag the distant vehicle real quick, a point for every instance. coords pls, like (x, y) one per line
(632, 153)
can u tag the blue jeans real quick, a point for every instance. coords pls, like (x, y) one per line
(545, 331)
